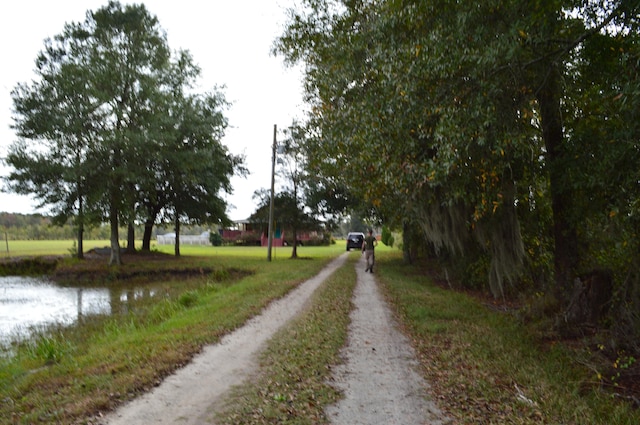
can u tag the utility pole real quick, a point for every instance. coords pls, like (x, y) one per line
(273, 178)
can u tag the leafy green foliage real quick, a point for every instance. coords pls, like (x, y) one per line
(482, 128)
(287, 211)
(215, 238)
(387, 237)
(110, 130)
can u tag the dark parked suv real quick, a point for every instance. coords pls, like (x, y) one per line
(355, 240)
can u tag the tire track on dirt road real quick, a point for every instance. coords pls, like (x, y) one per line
(379, 377)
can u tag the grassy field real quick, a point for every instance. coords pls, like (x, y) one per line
(40, 248)
(67, 374)
(64, 247)
(483, 364)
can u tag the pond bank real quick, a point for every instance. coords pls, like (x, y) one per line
(28, 266)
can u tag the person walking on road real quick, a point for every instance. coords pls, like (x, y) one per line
(368, 246)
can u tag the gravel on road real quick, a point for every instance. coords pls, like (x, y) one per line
(379, 377)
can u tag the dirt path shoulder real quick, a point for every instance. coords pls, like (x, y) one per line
(187, 396)
(379, 377)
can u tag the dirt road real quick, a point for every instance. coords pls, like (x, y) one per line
(379, 376)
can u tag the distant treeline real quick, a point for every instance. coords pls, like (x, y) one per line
(40, 227)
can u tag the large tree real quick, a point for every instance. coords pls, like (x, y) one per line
(199, 167)
(290, 203)
(127, 53)
(97, 81)
(289, 213)
(57, 123)
(455, 120)
(110, 125)
(296, 179)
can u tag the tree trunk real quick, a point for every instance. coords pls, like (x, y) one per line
(294, 251)
(146, 238)
(406, 243)
(591, 298)
(115, 238)
(153, 212)
(177, 245)
(564, 228)
(131, 239)
(80, 253)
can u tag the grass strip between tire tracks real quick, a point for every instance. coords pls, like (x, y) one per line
(291, 386)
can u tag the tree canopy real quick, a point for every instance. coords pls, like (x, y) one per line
(110, 129)
(502, 134)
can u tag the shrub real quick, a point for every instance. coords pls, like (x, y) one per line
(215, 238)
(386, 237)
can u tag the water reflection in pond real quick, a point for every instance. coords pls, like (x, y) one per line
(30, 303)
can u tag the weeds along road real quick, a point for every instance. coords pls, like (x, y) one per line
(379, 377)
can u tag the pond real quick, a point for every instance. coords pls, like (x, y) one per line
(28, 304)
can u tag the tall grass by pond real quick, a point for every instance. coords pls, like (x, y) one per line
(65, 374)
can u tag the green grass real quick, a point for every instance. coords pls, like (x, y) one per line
(486, 367)
(23, 248)
(68, 374)
(277, 253)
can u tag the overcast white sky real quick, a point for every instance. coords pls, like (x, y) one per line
(229, 40)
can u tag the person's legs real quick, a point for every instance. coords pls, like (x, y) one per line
(369, 258)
